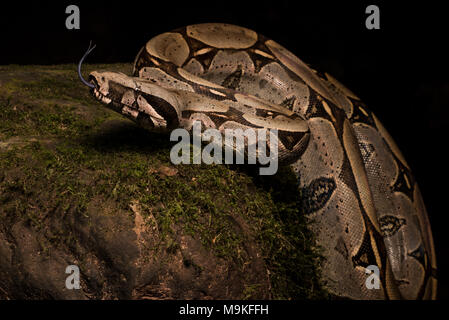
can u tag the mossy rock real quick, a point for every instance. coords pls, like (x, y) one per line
(81, 185)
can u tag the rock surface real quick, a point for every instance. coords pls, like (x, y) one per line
(80, 185)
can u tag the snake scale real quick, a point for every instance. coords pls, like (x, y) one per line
(353, 180)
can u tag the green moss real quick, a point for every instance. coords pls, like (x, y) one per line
(59, 152)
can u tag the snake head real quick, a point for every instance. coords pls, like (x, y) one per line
(147, 104)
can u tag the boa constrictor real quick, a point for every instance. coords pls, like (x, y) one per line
(353, 180)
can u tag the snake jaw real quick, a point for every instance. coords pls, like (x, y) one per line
(100, 87)
(101, 97)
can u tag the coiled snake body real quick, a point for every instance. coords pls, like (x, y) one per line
(354, 181)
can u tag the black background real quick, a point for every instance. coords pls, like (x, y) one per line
(400, 71)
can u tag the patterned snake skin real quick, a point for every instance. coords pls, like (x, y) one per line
(353, 180)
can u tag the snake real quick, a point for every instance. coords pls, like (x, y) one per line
(352, 178)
